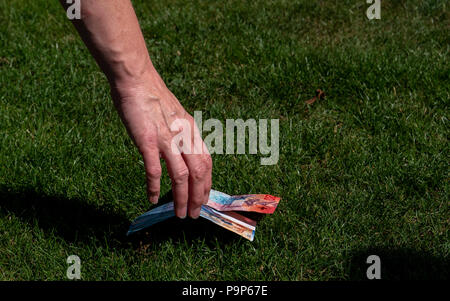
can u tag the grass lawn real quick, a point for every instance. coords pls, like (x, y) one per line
(363, 171)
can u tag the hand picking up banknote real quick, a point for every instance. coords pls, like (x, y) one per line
(219, 210)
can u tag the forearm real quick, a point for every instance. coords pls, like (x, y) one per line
(147, 108)
(111, 31)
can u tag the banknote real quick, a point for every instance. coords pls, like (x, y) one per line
(149, 218)
(230, 220)
(219, 210)
(261, 203)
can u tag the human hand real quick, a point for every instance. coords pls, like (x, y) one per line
(149, 111)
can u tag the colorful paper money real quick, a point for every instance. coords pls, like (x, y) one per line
(218, 201)
(149, 218)
(261, 203)
(232, 221)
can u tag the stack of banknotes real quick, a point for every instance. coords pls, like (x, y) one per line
(220, 210)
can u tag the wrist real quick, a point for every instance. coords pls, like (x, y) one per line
(136, 83)
(128, 71)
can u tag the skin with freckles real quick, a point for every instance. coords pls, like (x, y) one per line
(111, 31)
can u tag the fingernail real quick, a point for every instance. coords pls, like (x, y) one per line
(182, 217)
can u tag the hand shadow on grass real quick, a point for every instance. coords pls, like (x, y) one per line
(180, 230)
(399, 264)
(75, 221)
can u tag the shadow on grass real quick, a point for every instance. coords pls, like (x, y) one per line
(400, 264)
(180, 230)
(75, 221)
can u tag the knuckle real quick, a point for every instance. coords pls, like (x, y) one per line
(196, 202)
(148, 145)
(198, 172)
(154, 172)
(208, 163)
(181, 176)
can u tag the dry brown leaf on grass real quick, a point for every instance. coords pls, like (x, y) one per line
(319, 95)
